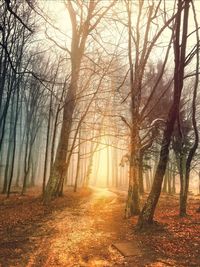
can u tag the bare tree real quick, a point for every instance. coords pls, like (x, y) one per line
(146, 216)
(81, 28)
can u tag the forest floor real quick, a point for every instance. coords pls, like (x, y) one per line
(80, 228)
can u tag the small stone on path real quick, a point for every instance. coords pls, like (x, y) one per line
(127, 248)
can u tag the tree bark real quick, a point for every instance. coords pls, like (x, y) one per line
(141, 180)
(147, 214)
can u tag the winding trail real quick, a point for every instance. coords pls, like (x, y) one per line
(79, 233)
(81, 236)
(80, 229)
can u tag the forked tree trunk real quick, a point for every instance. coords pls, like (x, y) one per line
(81, 28)
(147, 214)
(194, 147)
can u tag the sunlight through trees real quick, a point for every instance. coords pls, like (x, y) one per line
(101, 95)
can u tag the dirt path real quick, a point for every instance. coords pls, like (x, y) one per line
(78, 235)
(80, 228)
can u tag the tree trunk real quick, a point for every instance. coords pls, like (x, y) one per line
(182, 174)
(194, 147)
(58, 170)
(133, 200)
(47, 144)
(78, 163)
(141, 180)
(164, 188)
(148, 182)
(147, 214)
(14, 142)
(27, 164)
(9, 150)
(199, 182)
(174, 179)
(80, 32)
(169, 181)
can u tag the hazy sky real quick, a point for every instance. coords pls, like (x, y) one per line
(57, 12)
